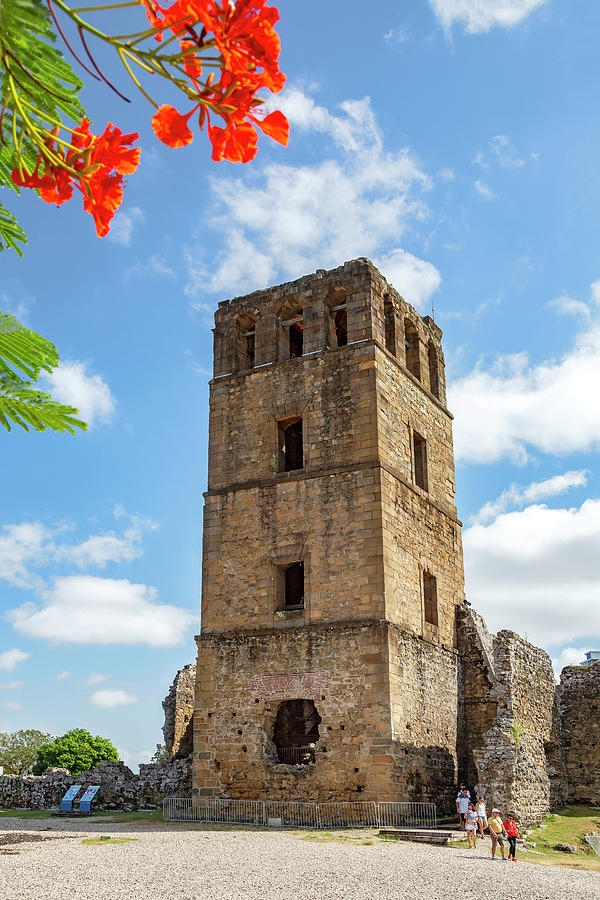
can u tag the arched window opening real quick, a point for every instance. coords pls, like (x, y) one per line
(390, 326)
(434, 370)
(337, 334)
(246, 342)
(296, 732)
(292, 330)
(411, 344)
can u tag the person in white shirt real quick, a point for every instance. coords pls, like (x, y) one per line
(462, 805)
(481, 815)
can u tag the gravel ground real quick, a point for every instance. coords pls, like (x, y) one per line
(184, 863)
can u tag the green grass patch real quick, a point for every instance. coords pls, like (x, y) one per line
(105, 840)
(154, 816)
(25, 813)
(566, 826)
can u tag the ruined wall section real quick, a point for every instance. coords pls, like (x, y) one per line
(517, 760)
(178, 707)
(243, 678)
(579, 703)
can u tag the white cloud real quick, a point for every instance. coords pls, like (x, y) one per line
(504, 409)
(155, 266)
(11, 685)
(500, 152)
(30, 545)
(398, 35)
(483, 191)
(84, 609)
(569, 656)
(12, 704)
(133, 758)
(62, 676)
(537, 490)
(9, 659)
(286, 220)
(96, 678)
(481, 15)
(414, 278)
(107, 698)
(536, 571)
(568, 306)
(71, 384)
(124, 224)
(21, 545)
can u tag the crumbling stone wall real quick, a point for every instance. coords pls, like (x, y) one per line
(120, 788)
(178, 707)
(579, 704)
(512, 742)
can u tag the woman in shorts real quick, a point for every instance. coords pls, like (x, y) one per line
(471, 826)
(482, 816)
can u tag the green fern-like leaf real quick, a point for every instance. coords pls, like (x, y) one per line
(11, 233)
(21, 402)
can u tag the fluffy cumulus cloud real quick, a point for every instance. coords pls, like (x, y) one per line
(514, 496)
(27, 546)
(289, 220)
(10, 659)
(535, 571)
(85, 609)
(70, 383)
(508, 408)
(481, 15)
(108, 699)
(569, 656)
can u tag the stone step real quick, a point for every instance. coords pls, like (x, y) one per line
(423, 835)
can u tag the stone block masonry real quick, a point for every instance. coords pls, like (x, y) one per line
(178, 707)
(579, 704)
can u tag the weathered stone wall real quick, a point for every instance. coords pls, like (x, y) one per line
(120, 788)
(512, 743)
(579, 704)
(178, 707)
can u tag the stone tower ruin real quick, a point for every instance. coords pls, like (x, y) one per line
(328, 665)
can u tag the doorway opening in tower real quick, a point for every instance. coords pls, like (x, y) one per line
(296, 732)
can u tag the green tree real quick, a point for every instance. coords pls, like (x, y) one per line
(25, 353)
(19, 750)
(77, 751)
(160, 755)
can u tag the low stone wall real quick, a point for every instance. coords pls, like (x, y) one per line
(120, 788)
(579, 704)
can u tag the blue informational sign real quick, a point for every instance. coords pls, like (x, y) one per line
(66, 804)
(86, 801)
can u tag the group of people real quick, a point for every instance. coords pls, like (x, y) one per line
(474, 818)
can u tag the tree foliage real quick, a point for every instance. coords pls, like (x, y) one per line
(19, 750)
(77, 751)
(25, 353)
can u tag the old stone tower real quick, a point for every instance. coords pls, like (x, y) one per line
(332, 566)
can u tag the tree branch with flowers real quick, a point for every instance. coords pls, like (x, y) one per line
(218, 54)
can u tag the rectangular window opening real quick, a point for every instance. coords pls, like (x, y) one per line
(341, 327)
(291, 452)
(430, 598)
(293, 597)
(296, 340)
(420, 460)
(249, 341)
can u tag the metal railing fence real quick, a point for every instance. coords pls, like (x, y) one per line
(594, 842)
(296, 756)
(333, 814)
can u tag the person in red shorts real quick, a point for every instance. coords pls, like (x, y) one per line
(512, 833)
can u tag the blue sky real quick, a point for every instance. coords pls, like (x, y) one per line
(455, 143)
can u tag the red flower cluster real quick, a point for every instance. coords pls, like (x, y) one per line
(245, 37)
(99, 163)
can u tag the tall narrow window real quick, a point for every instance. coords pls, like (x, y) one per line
(434, 372)
(294, 586)
(249, 343)
(390, 326)
(430, 598)
(291, 454)
(411, 344)
(338, 323)
(296, 339)
(420, 460)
